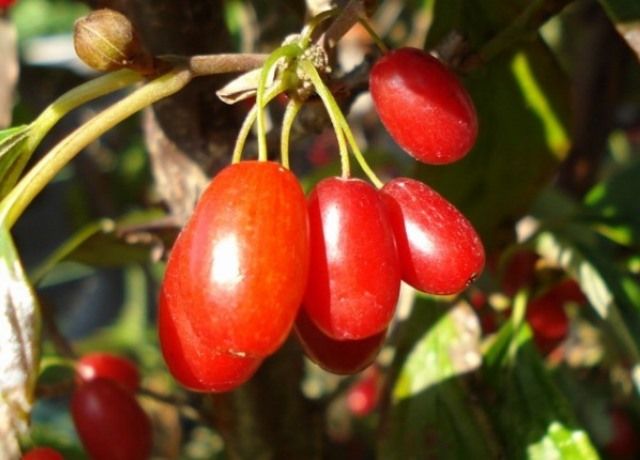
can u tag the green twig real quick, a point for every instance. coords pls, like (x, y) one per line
(290, 113)
(14, 204)
(334, 113)
(250, 119)
(288, 51)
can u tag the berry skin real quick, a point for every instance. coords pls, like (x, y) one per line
(43, 453)
(106, 365)
(195, 365)
(337, 356)
(236, 276)
(440, 252)
(110, 422)
(423, 106)
(354, 274)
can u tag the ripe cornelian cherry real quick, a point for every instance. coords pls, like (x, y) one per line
(43, 453)
(106, 365)
(423, 105)
(336, 356)
(354, 273)
(110, 422)
(194, 364)
(440, 252)
(237, 273)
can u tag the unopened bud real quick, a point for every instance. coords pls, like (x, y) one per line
(106, 40)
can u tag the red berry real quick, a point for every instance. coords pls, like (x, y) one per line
(440, 252)
(6, 3)
(519, 272)
(354, 275)
(236, 276)
(623, 443)
(110, 422)
(423, 106)
(336, 356)
(547, 317)
(362, 396)
(194, 364)
(43, 453)
(105, 365)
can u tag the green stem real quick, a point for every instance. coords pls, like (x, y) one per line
(60, 107)
(290, 113)
(343, 125)
(334, 112)
(103, 225)
(288, 51)
(313, 24)
(92, 89)
(14, 204)
(372, 33)
(250, 119)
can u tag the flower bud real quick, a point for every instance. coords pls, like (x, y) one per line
(106, 40)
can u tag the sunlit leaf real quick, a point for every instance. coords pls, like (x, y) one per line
(19, 327)
(533, 418)
(432, 414)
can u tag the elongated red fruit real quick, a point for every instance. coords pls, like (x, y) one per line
(110, 422)
(236, 283)
(336, 356)
(354, 274)
(440, 252)
(106, 365)
(423, 105)
(191, 362)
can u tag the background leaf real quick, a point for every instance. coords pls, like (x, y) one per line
(432, 414)
(533, 418)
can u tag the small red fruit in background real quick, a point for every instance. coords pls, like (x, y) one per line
(43, 453)
(519, 271)
(440, 252)
(423, 105)
(363, 395)
(624, 443)
(336, 356)
(106, 365)
(354, 274)
(6, 3)
(110, 422)
(547, 317)
(236, 275)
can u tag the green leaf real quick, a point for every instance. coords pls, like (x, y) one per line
(19, 329)
(13, 145)
(432, 414)
(612, 206)
(532, 416)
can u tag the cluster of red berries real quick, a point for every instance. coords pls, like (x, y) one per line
(257, 258)
(109, 421)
